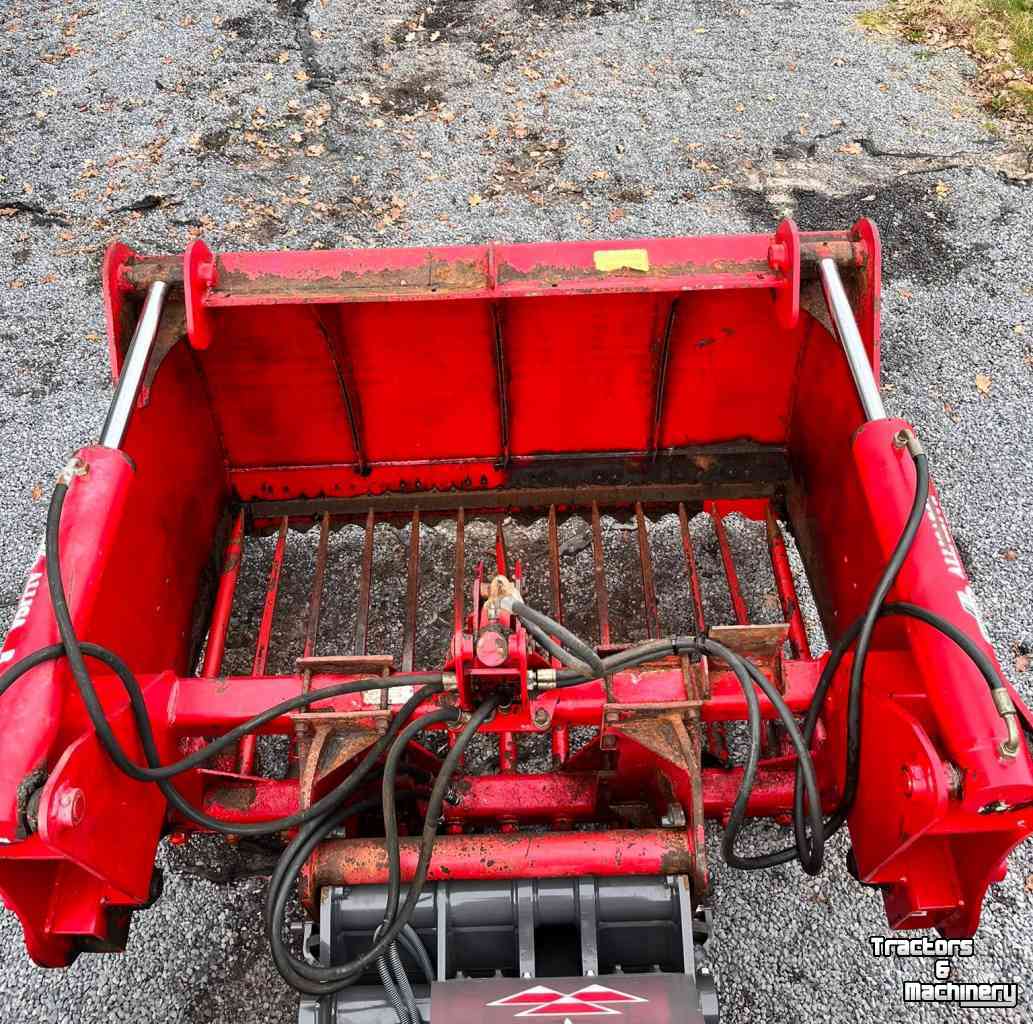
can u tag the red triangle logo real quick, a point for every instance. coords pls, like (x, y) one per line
(529, 997)
(567, 1006)
(605, 994)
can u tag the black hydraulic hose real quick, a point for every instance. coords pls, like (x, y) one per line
(172, 795)
(72, 649)
(809, 850)
(558, 651)
(197, 758)
(394, 961)
(623, 660)
(414, 946)
(388, 797)
(574, 643)
(77, 652)
(325, 822)
(901, 609)
(391, 990)
(883, 587)
(296, 972)
(398, 749)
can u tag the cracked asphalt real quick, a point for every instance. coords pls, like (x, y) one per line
(307, 123)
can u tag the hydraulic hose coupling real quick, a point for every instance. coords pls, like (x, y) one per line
(72, 468)
(1006, 709)
(502, 592)
(906, 439)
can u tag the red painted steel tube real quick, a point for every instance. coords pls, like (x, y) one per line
(738, 601)
(518, 855)
(770, 797)
(224, 599)
(695, 588)
(206, 707)
(525, 797)
(786, 588)
(549, 796)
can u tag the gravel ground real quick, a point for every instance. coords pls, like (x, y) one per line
(318, 123)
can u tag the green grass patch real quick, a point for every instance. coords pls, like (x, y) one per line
(998, 33)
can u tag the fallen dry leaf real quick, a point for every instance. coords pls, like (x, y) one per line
(1009, 554)
(616, 214)
(1022, 663)
(37, 492)
(851, 148)
(983, 383)
(475, 200)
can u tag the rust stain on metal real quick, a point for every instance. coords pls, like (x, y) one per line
(433, 275)
(551, 274)
(238, 798)
(676, 862)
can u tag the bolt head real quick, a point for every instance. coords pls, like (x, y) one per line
(71, 807)
(492, 648)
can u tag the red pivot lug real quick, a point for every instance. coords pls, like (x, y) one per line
(778, 256)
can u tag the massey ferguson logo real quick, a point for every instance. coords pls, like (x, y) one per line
(592, 1000)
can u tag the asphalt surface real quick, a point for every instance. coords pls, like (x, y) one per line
(318, 123)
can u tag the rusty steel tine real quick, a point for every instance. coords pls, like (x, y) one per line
(458, 597)
(554, 566)
(787, 596)
(648, 586)
(316, 598)
(216, 646)
(690, 563)
(246, 748)
(412, 594)
(271, 593)
(738, 602)
(601, 597)
(501, 554)
(365, 586)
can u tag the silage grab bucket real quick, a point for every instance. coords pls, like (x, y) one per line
(294, 391)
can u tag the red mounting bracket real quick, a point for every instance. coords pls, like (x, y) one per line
(116, 259)
(199, 277)
(784, 257)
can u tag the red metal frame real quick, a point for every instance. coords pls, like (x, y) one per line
(630, 377)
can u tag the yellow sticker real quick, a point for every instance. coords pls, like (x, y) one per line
(621, 259)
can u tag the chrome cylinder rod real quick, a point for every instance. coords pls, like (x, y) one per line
(850, 338)
(134, 367)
